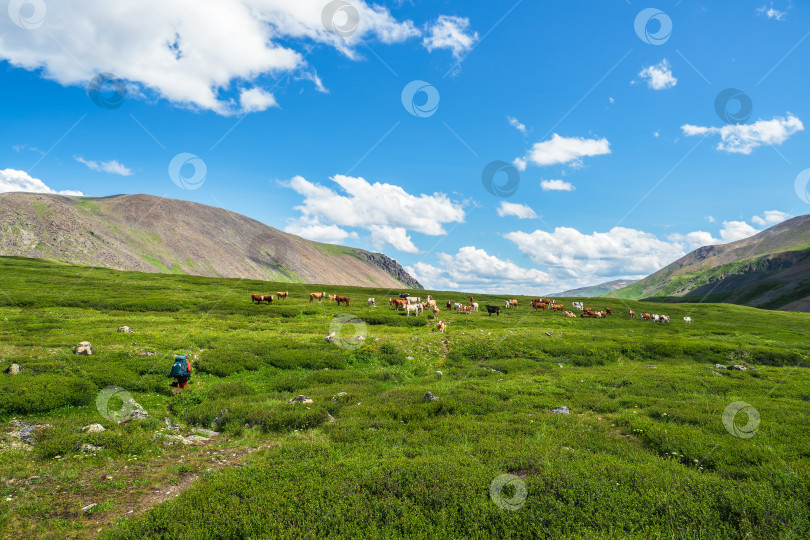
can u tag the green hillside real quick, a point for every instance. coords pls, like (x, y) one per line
(644, 452)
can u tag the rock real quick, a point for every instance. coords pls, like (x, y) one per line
(715, 373)
(329, 418)
(738, 367)
(88, 507)
(439, 373)
(195, 439)
(720, 366)
(169, 438)
(332, 338)
(146, 354)
(338, 395)
(561, 410)
(84, 348)
(137, 413)
(409, 357)
(205, 432)
(300, 399)
(13, 369)
(26, 432)
(430, 396)
(126, 330)
(88, 448)
(218, 420)
(548, 334)
(93, 428)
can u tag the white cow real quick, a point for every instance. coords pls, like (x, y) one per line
(656, 317)
(372, 302)
(507, 304)
(687, 320)
(414, 299)
(457, 305)
(475, 306)
(416, 308)
(579, 305)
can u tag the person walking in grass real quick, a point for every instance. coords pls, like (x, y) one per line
(181, 371)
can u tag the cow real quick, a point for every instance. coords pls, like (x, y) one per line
(558, 307)
(441, 327)
(416, 308)
(398, 303)
(507, 304)
(435, 312)
(632, 314)
(547, 301)
(431, 302)
(607, 310)
(687, 320)
(475, 306)
(579, 305)
(316, 296)
(458, 305)
(514, 302)
(493, 309)
(413, 299)
(261, 298)
(656, 317)
(282, 295)
(664, 318)
(372, 302)
(570, 315)
(472, 301)
(449, 304)
(404, 295)
(537, 304)
(645, 316)
(344, 299)
(464, 309)
(332, 297)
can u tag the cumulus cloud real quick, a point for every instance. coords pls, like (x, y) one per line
(556, 185)
(771, 217)
(449, 32)
(561, 150)
(693, 240)
(328, 234)
(256, 100)
(112, 166)
(516, 209)
(386, 211)
(736, 230)
(771, 13)
(743, 138)
(515, 123)
(659, 76)
(12, 180)
(185, 54)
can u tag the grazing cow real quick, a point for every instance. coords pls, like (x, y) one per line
(579, 306)
(570, 315)
(632, 314)
(261, 298)
(372, 302)
(332, 297)
(457, 305)
(431, 302)
(584, 315)
(471, 300)
(607, 310)
(414, 299)
(404, 295)
(415, 308)
(441, 327)
(537, 304)
(687, 320)
(449, 304)
(316, 296)
(475, 306)
(468, 310)
(664, 318)
(645, 316)
(344, 299)
(514, 302)
(493, 309)
(282, 295)
(656, 317)
(435, 312)
(547, 301)
(397, 303)
(507, 304)
(557, 307)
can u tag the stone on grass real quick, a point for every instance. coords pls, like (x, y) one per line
(720, 366)
(26, 432)
(93, 428)
(738, 368)
(84, 348)
(88, 448)
(126, 330)
(430, 396)
(300, 399)
(332, 338)
(13, 369)
(561, 410)
(205, 432)
(338, 395)
(195, 439)
(88, 507)
(143, 354)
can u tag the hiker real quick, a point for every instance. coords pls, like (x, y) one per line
(181, 371)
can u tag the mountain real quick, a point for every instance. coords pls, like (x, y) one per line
(768, 270)
(154, 234)
(596, 290)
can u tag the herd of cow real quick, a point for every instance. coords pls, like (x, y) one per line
(414, 304)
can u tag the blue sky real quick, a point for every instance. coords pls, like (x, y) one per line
(293, 114)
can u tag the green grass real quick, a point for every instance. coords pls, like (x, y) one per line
(643, 454)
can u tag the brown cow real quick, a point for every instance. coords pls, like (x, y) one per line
(632, 314)
(397, 303)
(440, 326)
(513, 302)
(537, 304)
(316, 296)
(646, 316)
(557, 307)
(282, 295)
(332, 297)
(449, 304)
(261, 298)
(547, 301)
(344, 299)
(570, 315)
(607, 310)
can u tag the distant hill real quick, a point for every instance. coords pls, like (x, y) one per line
(155, 234)
(768, 270)
(596, 290)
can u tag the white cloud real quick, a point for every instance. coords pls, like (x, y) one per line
(736, 230)
(191, 56)
(515, 123)
(611, 100)
(329, 234)
(656, 134)
(449, 32)
(659, 76)
(256, 100)
(518, 210)
(12, 180)
(556, 185)
(771, 13)
(743, 138)
(771, 217)
(385, 210)
(520, 164)
(112, 166)
(560, 150)
(710, 219)
(693, 240)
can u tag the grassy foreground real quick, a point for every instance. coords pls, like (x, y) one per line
(643, 454)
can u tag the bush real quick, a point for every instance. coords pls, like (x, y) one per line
(28, 393)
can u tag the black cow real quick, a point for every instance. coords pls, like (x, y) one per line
(493, 309)
(404, 295)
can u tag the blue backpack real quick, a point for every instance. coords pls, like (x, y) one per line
(180, 367)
